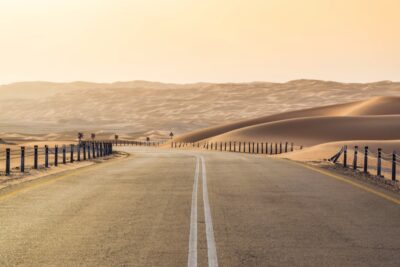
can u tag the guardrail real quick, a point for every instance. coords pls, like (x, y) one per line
(272, 148)
(364, 160)
(85, 150)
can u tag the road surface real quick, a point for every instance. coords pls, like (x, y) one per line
(182, 208)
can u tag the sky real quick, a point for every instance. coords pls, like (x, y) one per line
(186, 41)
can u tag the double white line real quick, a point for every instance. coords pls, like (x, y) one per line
(211, 248)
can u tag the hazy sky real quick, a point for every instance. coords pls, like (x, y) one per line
(199, 40)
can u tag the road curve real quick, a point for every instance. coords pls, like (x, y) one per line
(182, 208)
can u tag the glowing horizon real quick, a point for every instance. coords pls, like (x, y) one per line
(199, 41)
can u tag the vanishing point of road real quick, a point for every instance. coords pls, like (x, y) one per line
(160, 207)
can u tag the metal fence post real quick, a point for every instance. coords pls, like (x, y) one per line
(345, 156)
(46, 156)
(379, 163)
(72, 147)
(355, 158)
(22, 167)
(276, 148)
(291, 147)
(93, 150)
(56, 155)
(64, 154)
(8, 164)
(35, 157)
(84, 151)
(97, 150)
(78, 152)
(394, 166)
(366, 159)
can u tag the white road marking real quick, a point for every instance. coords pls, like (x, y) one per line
(192, 259)
(211, 248)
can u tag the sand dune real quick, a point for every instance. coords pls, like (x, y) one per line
(374, 106)
(134, 109)
(317, 130)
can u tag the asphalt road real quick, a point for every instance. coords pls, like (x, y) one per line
(182, 208)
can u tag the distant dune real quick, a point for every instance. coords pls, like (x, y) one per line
(316, 130)
(40, 110)
(326, 125)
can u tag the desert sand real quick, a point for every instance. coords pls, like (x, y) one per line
(34, 111)
(322, 131)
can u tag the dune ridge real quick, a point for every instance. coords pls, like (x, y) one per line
(316, 130)
(349, 121)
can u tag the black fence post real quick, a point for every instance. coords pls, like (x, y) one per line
(46, 156)
(72, 147)
(280, 148)
(8, 164)
(394, 166)
(276, 148)
(22, 167)
(366, 159)
(291, 147)
(78, 152)
(355, 158)
(93, 150)
(84, 150)
(379, 163)
(64, 154)
(35, 157)
(97, 150)
(262, 148)
(345, 157)
(257, 148)
(286, 146)
(56, 155)
(254, 146)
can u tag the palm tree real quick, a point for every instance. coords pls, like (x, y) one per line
(171, 135)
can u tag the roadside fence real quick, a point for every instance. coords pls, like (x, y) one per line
(378, 163)
(26, 158)
(272, 148)
(137, 143)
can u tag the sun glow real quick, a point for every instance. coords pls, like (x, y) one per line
(209, 40)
